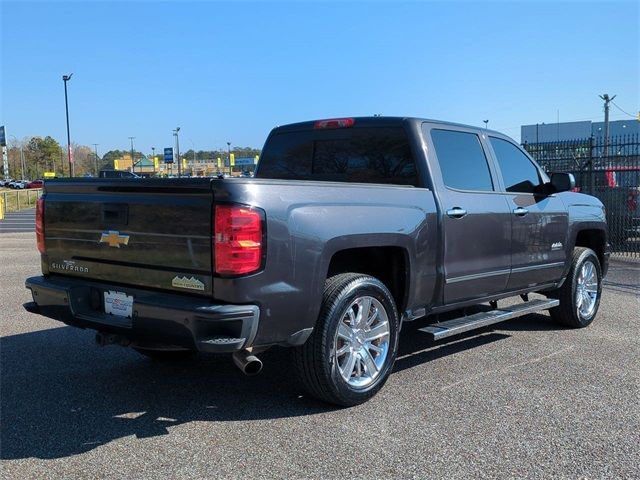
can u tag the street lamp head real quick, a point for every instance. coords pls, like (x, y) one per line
(177, 129)
(67, 77)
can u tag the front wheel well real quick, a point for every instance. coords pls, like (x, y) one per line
(390, 265)
(593, 239)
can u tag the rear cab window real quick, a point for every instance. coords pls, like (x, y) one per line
(380, 155)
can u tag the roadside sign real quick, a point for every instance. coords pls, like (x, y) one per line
(49, 174)
(3, 140)
(244, 161)
(232, 159)
(168, 155)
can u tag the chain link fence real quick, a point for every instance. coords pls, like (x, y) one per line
(607, 170)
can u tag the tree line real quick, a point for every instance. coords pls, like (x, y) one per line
(36, 155)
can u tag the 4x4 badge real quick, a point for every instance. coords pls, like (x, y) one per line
(114, 239)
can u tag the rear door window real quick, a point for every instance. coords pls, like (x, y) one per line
(362, 155)
(462, 160)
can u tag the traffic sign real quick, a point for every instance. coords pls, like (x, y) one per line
(168, 155)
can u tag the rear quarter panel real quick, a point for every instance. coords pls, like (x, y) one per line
(307, 223)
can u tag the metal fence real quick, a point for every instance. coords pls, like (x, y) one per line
(608, 170)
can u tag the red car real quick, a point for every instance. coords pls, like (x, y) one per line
(35, 184)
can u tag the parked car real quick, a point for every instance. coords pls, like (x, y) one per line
(35, 184)
(18, 184)
(350, 227)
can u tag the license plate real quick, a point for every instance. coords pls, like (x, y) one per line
(118, 303)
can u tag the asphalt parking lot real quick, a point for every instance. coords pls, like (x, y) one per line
(15, 222)
(522, 399)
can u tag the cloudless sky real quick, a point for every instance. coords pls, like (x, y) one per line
(231, 71)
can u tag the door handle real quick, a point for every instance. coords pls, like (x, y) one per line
(456, 212)
(521, 212)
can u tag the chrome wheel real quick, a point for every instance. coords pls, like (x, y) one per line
(361, 343)
(587, 289)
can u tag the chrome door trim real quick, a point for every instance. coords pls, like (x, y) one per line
(537, 267)
(477, 276)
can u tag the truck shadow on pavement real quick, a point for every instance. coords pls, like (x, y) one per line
(61, 395)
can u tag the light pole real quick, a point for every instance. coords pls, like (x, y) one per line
(153, 158)
(175, 134)
(65, 79)
(133, 164)
(486, 124)
(95, 158)
(229, 154)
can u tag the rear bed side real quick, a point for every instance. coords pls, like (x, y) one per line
(307, 224)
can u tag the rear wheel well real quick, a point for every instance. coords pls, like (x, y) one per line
(388, 264)
(593, 239)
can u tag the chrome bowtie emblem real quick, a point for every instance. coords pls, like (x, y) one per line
(114, 239)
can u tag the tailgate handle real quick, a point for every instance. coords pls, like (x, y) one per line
(115, 214)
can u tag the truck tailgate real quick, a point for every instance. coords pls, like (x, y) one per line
(147, 233)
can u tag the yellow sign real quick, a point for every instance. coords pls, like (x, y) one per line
(115, 164)
(255, 160)
(184, 163)
(49, 174)
(155, 163)
(219, 162)
(232, 159)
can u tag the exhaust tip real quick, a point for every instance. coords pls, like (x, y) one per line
(253, 367)
(249, 364)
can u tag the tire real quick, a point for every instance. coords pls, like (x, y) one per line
(368, 341)
(569, 312)
(166, 355)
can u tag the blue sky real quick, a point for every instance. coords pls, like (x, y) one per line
(232, 71)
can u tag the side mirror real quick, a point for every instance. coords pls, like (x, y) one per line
(562, 182)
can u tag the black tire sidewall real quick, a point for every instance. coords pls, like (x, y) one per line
(586, 255)
(360, 287)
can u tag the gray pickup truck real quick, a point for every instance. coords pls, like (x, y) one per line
(350, 227)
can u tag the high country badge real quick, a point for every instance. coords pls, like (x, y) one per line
(190, 283)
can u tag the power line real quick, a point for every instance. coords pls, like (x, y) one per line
(627, 113)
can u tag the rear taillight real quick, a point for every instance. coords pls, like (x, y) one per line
(40, 225)
(334, 123)
(237, 239)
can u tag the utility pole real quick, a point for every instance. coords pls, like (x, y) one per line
(229, 153)
(175, 134)
(607, 99)
(65, 79)
(95, 158)
(153, 158)
(133, 163)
